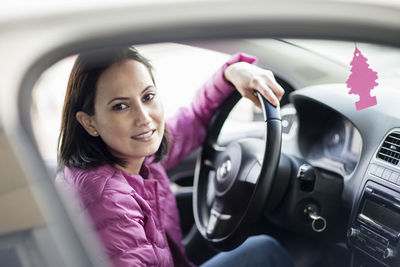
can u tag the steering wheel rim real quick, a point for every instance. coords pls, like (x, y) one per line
(242, 187)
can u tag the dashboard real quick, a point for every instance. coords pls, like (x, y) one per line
(361, 151)
(352, 164)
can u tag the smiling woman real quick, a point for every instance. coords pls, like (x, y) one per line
(123, 107)
(112, 146)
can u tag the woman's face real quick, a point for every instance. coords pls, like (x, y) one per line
(129, 116)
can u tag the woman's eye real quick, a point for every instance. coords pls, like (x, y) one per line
(119, 106)
(148, 97)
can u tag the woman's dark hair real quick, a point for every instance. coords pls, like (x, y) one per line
(77, 148)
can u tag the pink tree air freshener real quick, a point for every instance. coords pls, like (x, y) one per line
(362, 80)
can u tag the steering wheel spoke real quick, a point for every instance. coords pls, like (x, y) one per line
(216, 222)
(211, 188)
(213, 151)
(253, 175)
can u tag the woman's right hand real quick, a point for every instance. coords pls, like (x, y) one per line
(248, 78)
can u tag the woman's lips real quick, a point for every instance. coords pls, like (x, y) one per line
(144, 136)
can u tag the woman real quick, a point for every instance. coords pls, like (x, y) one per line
(115, 148)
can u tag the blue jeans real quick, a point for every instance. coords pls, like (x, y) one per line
(261, 250)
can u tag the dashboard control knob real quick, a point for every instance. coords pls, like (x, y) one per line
(389, 253)
(352, 232)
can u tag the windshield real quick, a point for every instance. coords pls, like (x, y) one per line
(385, 60)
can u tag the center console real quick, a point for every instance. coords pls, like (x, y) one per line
(375, 228)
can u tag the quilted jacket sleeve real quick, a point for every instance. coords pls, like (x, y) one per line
(187, 129)
(119, 222)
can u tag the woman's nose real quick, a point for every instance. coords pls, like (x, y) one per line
(142, 117)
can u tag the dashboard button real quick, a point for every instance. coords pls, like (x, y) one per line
(382, 240)
(365, 231)
(372, 168)
(390, 234)
(371, 248)
(393, 177)
(379, 171)
(386, 174)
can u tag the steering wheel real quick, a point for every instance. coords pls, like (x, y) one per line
(232, 184)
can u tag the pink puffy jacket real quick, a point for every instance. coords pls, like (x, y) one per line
(136, 216)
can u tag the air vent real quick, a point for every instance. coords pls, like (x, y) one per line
(390, 150)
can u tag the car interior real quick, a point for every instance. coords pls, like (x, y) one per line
(319, 175)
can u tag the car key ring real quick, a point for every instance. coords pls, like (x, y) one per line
(319, 223)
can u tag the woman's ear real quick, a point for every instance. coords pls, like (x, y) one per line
(87, 122)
